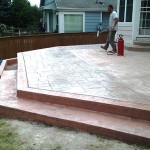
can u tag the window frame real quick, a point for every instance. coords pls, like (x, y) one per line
(73, 13)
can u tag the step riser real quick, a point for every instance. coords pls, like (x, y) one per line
(88, 105)
(142, 44)
(145, 49)
(28, 116)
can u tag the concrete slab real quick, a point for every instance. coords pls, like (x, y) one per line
(87, 70)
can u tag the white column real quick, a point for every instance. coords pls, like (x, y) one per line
(48, 22)
(84, 22)
(61, 22)
(136, 18)
(118, 4)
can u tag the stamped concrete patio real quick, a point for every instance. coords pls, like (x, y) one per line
(88, 70)
(83, 88)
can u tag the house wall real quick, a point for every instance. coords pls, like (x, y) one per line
(92, 19)
(126, 31)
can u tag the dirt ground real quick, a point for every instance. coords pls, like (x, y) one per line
(35, 136)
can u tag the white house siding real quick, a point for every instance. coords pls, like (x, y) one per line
(126, 31)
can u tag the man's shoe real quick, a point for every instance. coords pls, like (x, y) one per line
(115, 51)
(103, 48)
(110, 53)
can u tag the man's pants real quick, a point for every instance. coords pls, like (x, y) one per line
(110, 40)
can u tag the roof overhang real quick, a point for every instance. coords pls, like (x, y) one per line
(49, 7)
(82, 9)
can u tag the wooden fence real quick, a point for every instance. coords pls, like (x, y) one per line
(10, 46)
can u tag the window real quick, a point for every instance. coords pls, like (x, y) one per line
(125, 10)
(122, 10)
(144, 28)
(73, 23)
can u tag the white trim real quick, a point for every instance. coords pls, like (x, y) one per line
(101, 17)
(124, 24)
(143, 36)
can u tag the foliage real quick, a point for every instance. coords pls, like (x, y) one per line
(2, 29)
(5, 11)
(19, 13)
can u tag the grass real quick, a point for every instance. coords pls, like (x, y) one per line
(56, 148)
(8, 138)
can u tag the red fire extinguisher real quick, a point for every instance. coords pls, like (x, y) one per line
(120, 45)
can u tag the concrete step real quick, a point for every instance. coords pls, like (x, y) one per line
(6, 63)
(142, 43)
(113, 126)
(116, 107)
(141, 48)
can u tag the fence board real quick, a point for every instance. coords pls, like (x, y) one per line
(10, 46)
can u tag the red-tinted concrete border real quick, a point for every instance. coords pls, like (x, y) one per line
(122, 136)
(128, 109)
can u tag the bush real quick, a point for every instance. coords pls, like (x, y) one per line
(2, 29)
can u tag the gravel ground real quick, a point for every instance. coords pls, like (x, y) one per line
(35, 136)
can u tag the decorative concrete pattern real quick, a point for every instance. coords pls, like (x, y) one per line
(87, 70)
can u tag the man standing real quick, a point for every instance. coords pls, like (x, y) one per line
(113, 27)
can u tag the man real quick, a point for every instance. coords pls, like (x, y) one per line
(113, 27)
